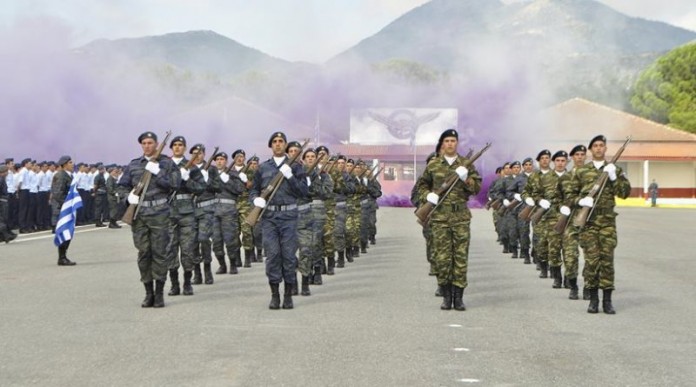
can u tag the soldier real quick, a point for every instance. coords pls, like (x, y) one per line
(509, 218)
(205, 215)
(279, 220)
(99, 192)
(182, 220)
(6, 234)
(498, 193)
(243, 208)
(22, 189)
(354, 210)
(521, 225)
(367, 199)
(12, 200)
(598, 237)
(112, 196)
(225, 222)
(494, 187)
(427, 232)
(253, 164)
(330, 207)
(374, 189)
(571, 252)
(43, 207)
(451, 220)
(59, 190)
(530, 195)
(343, 187)
(151, 227)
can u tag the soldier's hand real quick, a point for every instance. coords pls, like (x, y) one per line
(433, 198)
(529, 202)
(286, 171)
(243, 177)
(205, 175)
(185, 174)
(462, 172)
(506, 203)
(133, 198)
(224, 177)
(587, 201)
(153, 167)
(260, 202)
(518, 197)
(565, 210)
(545, 204)
(610, 169)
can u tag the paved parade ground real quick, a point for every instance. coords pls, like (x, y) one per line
(375, 323)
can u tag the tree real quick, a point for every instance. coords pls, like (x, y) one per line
(666, 91)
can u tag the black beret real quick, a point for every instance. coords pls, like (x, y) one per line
(597, 138)
(506, 164)
(528, 160)
(200, 148)
(444, 135)
(350, 161)
(293, 144)
(321, 148)
(9, 160)
(277, 135)
(578, 148)
(220, 154)
(430, 157)
(498, 170)
(147, 135)
(180, 139)
(542, 153)
(63, 160)
(310, 150)
(341, 157)
(238, 151)
(560, 153)
(253, 158)
(25, 161)
(515, 163)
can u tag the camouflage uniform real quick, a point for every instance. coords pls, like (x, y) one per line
(497, 192)
(550, 242)
(353, 217)
(532, 190)
(311, 213)
(376, 192)
(571, 245)
(225, 221)
(243, 208)
(521, 227)
(427, 232)
(343, 187)
(329, 226)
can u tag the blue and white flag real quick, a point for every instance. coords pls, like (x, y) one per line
(65, 228)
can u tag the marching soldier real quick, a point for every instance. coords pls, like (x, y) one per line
(59, 191)
(279, 220)
(531, 194)
(243, 208)
(330, 207)
(225, 226)
(205, 213)
(343, 187)
(451, 219)
(6, 233)
(498, 193)
(354, 210)
(509, 220)
(549, 199)
(374, 188)
(522, 225)
(151, 227)
(427, 232)
(492, 189)
(598, 237)
(258, 239)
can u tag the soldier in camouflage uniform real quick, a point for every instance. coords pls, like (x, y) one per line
(521, 225)
(225, 226)
(330, 207)
(182, 221)
(205, 213)
(243, 208)
(571, 249)
(151, 226)
(427, 232)
(112, 196)
(59, 191)
(354, 210)
(498, 193)
(343, 188)
(598, 237)
(491, 191)
(531, 195)
(509, 218)
(450, 221)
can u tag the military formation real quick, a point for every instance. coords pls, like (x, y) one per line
(564, 211)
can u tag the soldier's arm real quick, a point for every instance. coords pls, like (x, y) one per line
(196, 183)
(622, 187)
(298, 182)
(425, 185)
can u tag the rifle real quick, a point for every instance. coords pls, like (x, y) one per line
(562, 223)
(210, 160)
(375, 174)
(187, 166)
(537, 214)
(353, 167)
(244, 169)
(314, 166)
(513, 204)
(270, 190)
(425, 211)
(494, 203)
(141, 189)
(596, 192)
(526, 213)
(469, 153)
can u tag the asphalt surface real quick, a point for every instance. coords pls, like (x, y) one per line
(375, 323)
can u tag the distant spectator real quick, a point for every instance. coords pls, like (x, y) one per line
(653, 190)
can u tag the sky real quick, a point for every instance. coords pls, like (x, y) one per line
(296, 30)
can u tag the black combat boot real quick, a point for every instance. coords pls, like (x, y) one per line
(259, 254)
(317, 274)
(197, 276)
(363, 247)
(373, 240)
(438, 291)
(349, 254)
(524, 253)
(506, 247)
(543, 269)
(287, 297)
(174, 277)
(159, 294)
(585, 293)
(557, 277)
(594, 301)
(275, 297)
(238, 258)
(188, 289)
(513, 248)
(247, 257)
(63, 255)
(222, 269)
(331, 263)
(356, 251)
(566, 284)
(208, 271)
(341, 260)
(233, 264)
(573, 288)
(305, 286)
(457, 295)
(99, 224)
(113, 224)
(149, 295)
(323, 266)
(606, 301)
(446, 297)
(253, 255)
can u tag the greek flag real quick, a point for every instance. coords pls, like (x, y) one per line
(65, 228)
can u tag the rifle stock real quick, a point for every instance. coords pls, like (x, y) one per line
(562, 223)
(537, 214)
(141, 188)
(584, 213)
(526, 213)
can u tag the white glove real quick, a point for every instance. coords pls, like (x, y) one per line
(153, 167)
(432, 198)
(565, 210)
(286, 170)
(133, 198)
(309, 182)
(260, 202)
(185, 174)
(364, 180)
(610, 169)
(518, 197)
(506, 203)
(243, 177)
(545, 204)
(205, 175)
(529, 202)
(462, 172)
(587, 201)
(224, 177)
